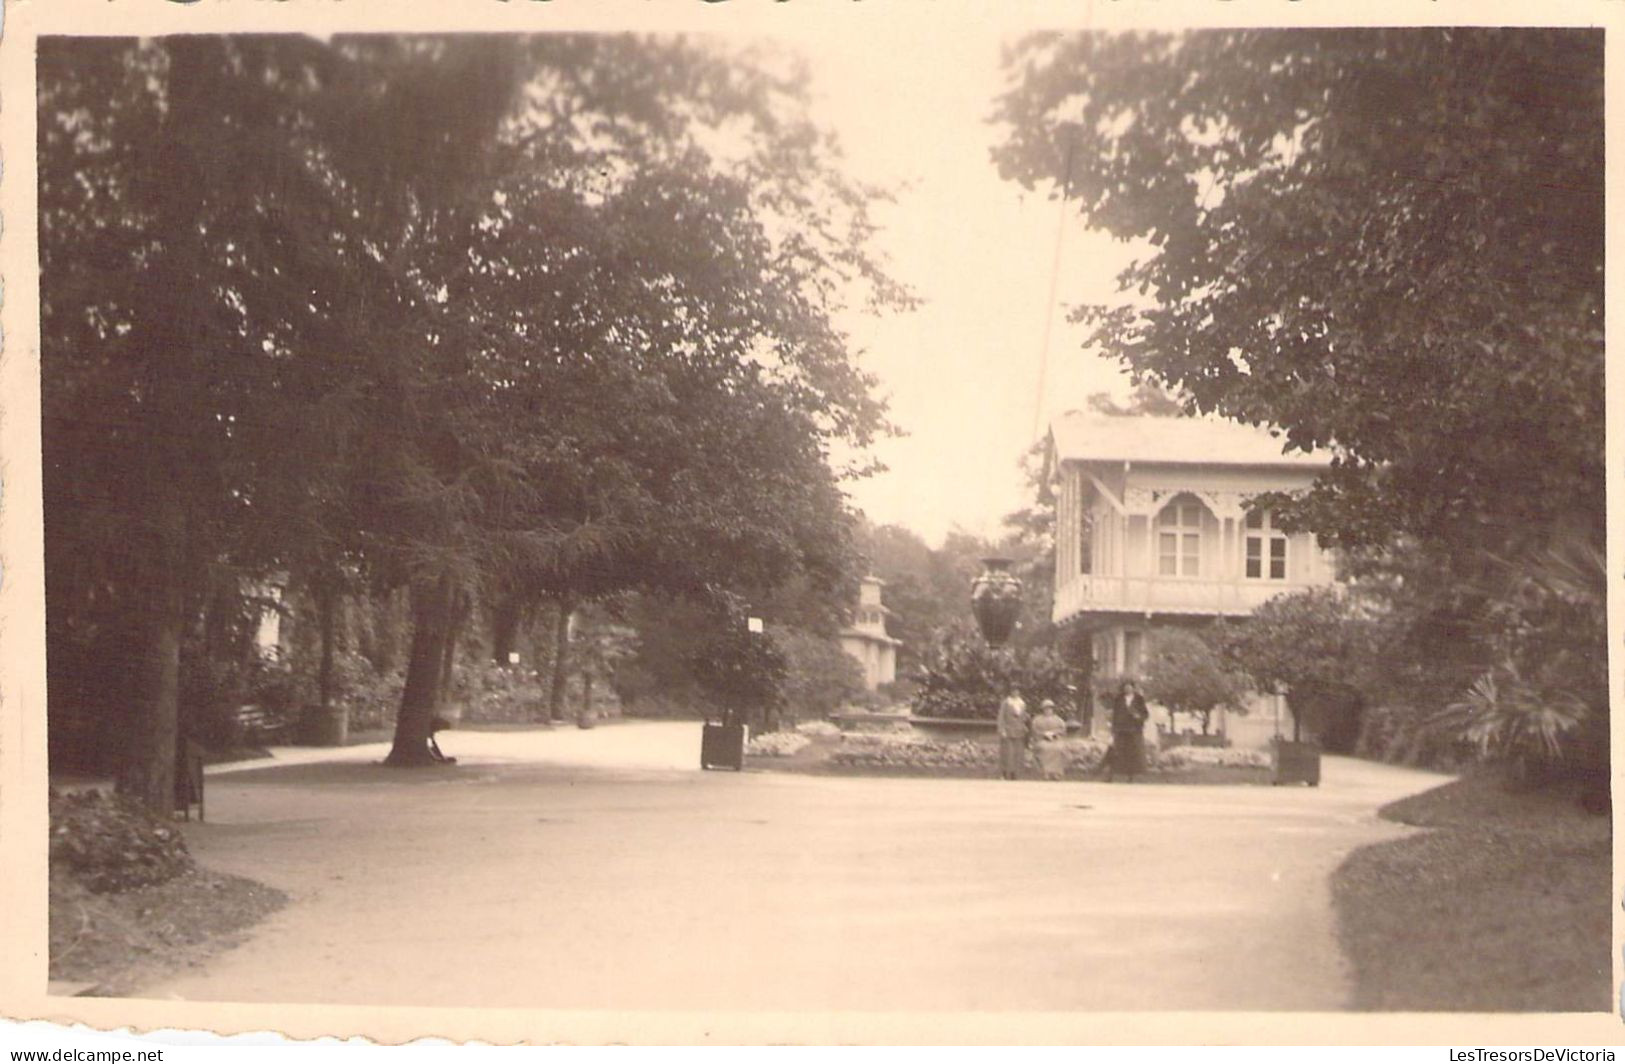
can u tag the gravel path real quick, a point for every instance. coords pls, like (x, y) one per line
(594, 869)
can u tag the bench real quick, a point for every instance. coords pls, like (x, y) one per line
(259, 724)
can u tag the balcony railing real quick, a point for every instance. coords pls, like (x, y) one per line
(1165, 594)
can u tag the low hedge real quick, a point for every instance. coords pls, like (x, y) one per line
(111, 843)
(913, 752)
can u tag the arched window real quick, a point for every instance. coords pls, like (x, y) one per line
(1179, 538)
(1266, 547)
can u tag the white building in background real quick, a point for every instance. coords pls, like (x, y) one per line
(269, 594)
(866, 639)
(1152, 531)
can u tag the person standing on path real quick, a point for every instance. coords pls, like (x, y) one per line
(1129, 714)
(1012, 735)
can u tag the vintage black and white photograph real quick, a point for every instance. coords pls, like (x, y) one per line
(917, 519)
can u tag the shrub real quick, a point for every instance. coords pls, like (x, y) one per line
(1544, 706)
(493, 693)
(211, 691)
(821, 729)
(1318, 645)
(214, 690)
(869, 702)
(1402, 734)
(741, 672)
(819, 675)
(369, 697)
(778, 744)
(899, 691)
(111, 843)
(1185, 674)
(962, 678)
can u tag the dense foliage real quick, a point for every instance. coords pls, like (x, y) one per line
(1544, 705)
(111, 843)
(1388, 243)
(962, 678)
(1186, 674)
(819, 678)
(449, 318)
(743, 674)
(1319, 648)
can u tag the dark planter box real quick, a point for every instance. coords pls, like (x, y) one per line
(723, 746)
(1297, 763)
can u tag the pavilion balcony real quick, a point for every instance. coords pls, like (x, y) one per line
(1148, 595)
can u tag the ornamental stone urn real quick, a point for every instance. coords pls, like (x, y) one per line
(995, 600)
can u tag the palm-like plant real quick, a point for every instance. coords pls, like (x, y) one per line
(1547, 701)
(1505, 716)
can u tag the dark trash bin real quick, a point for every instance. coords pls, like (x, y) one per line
(189, 778)
(722, 746)
(1297, 762)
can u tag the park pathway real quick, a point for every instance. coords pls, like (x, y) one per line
(600, 869)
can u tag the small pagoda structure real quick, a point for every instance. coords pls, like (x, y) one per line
(865, 639)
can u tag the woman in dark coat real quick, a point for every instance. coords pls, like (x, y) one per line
(1129, 714)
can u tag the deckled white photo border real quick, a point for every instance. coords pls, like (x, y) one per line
(22, 644)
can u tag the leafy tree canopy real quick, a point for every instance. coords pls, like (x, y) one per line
(1185, 673)
(556, 312)
(1385, 241)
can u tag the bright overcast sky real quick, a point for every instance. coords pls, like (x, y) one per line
(961, 372)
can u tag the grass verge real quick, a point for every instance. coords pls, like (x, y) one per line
(122, 942)
(1500, 905)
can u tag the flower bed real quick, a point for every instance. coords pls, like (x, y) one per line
(1083, 755)
(912, 753)
(778, 744)
(1179, 757)
(818, 747)
(918, 752)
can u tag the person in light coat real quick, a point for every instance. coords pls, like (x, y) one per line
(1012, 735)
(1048, 729)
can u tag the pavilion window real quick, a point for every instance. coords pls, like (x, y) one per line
(1179, 539)
(1265, 546)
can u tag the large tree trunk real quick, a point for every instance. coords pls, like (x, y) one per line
(461, 607)
(433, 614)
(331, 724)
(561, 662)
(172, 344)
(148, 770)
